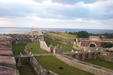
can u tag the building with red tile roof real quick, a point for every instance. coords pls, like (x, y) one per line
(7, 62)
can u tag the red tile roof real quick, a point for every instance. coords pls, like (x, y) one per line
(7, 71)
(6, 52)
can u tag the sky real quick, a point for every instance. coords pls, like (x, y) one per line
(81, 14)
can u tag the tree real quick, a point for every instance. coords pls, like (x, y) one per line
(83, 34)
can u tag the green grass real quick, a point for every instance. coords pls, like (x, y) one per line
(26, 70)
(53, 64)
(35, 48)
(66, 48)
(102, 63)
(62, 36)
(17, 48)
(67, 35)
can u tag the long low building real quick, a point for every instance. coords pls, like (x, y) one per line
(7, 62)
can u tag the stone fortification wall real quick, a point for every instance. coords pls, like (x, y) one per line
(44, 46)
(39, 69)
(97, 70)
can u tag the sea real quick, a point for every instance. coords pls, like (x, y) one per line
(24, 30)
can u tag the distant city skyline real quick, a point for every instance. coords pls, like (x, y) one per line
(81, 14)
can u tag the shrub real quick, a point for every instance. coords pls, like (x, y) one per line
(83, 34)
(107, 45)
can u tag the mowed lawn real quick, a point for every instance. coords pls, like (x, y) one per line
(35, 48)
(26, 70)
(17, 48)
(59, 67)
(66, 48)
(102, 63)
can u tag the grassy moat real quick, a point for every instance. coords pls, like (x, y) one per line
(51, 62)
(59, 67)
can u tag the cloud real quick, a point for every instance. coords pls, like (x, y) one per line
(49, 9)
(57, 13)
(34, 21)
(73, 1)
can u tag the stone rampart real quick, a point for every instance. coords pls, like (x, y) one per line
(44, 46)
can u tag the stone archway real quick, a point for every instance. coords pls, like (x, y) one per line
(92, 45)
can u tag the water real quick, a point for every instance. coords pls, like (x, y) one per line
(23, 30)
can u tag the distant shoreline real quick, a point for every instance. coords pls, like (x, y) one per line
(24, 30)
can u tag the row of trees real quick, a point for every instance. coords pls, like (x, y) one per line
(85, 34)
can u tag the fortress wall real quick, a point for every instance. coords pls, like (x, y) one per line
(39, 69)
(44, 46)
(97, 70)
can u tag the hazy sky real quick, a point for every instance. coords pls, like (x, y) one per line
(91, 14)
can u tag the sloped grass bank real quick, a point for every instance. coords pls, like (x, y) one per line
(62, 36)
(66, 48)
(59, 67)
(102, 63)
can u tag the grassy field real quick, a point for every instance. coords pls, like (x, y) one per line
(102, 63)
(59, 67)
(26, 70)
(35, 48)
(62, 36)
(17, 48)
(66, 48)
